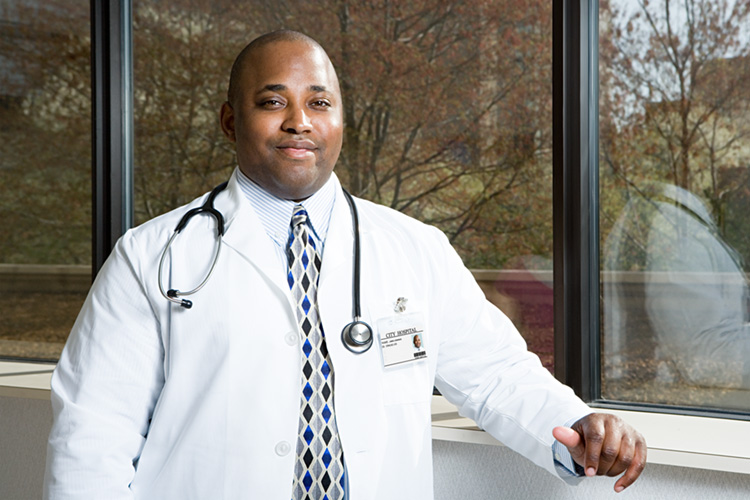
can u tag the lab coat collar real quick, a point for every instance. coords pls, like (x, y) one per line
(245, 232)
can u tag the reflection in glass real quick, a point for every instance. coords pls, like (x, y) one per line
(674, 127)
(45, 165)
(690, 302)
(447, 109)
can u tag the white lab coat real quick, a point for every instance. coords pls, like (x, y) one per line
(153, 401)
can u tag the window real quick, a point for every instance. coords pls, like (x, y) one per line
(674, 170)
(447, 115)
(45, 180)
(447, 120)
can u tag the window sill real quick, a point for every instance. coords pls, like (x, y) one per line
(25, 380)
(678, 440)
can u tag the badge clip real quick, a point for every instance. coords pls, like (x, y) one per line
(400, 305)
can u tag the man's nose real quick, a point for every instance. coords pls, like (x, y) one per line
(297, 121)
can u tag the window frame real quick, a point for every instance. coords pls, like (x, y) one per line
(575, 153)
(112, 126)
(575, 194)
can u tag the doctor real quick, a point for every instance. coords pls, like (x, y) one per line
(153, 400)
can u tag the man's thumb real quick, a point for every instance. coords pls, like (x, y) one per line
(567, 436)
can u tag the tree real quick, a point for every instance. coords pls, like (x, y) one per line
(676, 100)
(446, 111)
(45, 145)
(447, 108)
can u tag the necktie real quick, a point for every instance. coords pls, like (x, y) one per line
(319, 468)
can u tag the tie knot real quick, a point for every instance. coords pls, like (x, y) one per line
(299, 216)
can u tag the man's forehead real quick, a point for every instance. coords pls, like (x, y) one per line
(280, 63)
(279, 87)
(277, 56)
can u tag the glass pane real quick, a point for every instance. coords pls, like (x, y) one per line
(45, 173)
(448, 114)
(675, 199)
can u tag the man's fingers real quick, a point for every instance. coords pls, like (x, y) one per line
(616, 447)
(605, 445)
(593, 434)
(637, 464)
(623, 460)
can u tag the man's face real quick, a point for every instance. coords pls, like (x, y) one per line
(417, 341)
(287, 121)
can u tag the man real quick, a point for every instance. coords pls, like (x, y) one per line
(152, 400)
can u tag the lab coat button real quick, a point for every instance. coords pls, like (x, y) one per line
(283, 448)
(291, 338)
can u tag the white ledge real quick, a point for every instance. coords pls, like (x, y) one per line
(25, 380)
(678, 440)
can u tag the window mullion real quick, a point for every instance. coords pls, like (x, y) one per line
(111, 81)
(575, 195)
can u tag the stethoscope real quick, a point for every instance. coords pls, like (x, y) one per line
(356, 336)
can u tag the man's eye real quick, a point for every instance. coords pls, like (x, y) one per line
(270, 103)
(321, 104)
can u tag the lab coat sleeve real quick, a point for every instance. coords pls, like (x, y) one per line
(485, 369)
(106, 384)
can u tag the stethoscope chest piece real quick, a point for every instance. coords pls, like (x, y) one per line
(357, 336)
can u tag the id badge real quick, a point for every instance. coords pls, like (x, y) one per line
(402, 339)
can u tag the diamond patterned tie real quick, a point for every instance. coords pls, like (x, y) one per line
(319, 469)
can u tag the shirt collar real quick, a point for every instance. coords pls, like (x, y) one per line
(276, 213)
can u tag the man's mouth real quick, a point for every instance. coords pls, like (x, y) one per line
(297, 149)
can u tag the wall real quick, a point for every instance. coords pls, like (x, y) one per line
(462, 471)
(24, 426)
(483, 472)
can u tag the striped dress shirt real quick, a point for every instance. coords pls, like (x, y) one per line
(276, 214)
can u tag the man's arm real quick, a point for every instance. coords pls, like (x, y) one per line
(105, 385)
(487, 372)
(605, 445)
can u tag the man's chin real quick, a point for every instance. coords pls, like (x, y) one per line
(297, 189)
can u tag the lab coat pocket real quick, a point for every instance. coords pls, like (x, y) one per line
(408, 383)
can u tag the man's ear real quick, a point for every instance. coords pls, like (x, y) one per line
(226, 117)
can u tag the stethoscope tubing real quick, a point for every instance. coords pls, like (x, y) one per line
(356, 336)
(173, 295)
(356, 266)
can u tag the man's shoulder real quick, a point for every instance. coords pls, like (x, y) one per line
(398, 230)
(388, 219)
(168, 220)
(155, 230)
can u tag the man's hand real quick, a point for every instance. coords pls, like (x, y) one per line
(604, 445)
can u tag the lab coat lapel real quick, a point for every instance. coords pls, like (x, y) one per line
(357, 376)
(246, 235)
(337, 256)
(335, 285)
